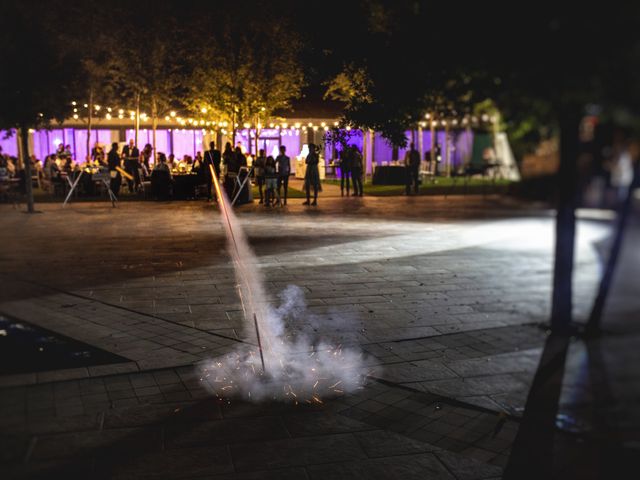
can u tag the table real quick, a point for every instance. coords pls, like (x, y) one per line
(184, 185)
(389, 175)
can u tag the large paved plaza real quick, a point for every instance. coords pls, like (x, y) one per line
(445, 297)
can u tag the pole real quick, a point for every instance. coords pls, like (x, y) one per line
(89, 123)
(255, 321)
(26, 163)
(593, 325)
(561, 302)
(420, 144)
(432, 161)
(446, 149)
(137, 118)
(154, 115)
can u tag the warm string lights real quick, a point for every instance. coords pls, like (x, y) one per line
(431, 121)
(109, 113)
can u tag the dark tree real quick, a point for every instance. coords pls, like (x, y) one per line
(36, 83)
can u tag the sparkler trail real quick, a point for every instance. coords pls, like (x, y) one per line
(301, 369)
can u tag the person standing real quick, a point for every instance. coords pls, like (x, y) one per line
(241, 158)
(312, 176)
(259, 171)
(412, 169)
(146, 156)
(212, 158)
(283, 165)
(345, 169)
(229, 159)
(113, 161)
(271, 182)
(131, 156)
(356, 170)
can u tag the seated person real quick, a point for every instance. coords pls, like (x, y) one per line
(162, 165)
(161, 178)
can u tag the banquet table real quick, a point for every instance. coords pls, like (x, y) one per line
(389, 175)
(184, 185)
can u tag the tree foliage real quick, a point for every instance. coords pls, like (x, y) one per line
(249, 66)
(36, 85)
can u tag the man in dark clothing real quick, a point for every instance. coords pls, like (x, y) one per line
(412, 169)
(113, 161)
(283, 165)
(131, 156)
(356, 170)
(345, 169)
(211, 157)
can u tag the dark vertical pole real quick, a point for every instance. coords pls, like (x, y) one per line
(593, 325)
(26, 163)
(561, 304)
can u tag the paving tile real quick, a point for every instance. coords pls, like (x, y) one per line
(407, 467)
(297, 452)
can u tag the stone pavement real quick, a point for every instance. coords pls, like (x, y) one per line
(443, 295)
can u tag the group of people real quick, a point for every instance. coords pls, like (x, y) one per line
(351, 168)
(8, 166)
(272, 175)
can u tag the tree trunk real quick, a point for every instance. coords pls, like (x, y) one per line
(447, 151)
(561, 307)
(137, 118)
(89, 122)
(432, 161)
(233, 126)
(154, 118)
(24, 139)
(256, 142)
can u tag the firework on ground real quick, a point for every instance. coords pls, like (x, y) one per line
(297, 368)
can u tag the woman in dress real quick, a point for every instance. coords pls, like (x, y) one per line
(312, 176)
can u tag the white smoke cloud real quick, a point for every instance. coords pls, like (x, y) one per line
(297, 366)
